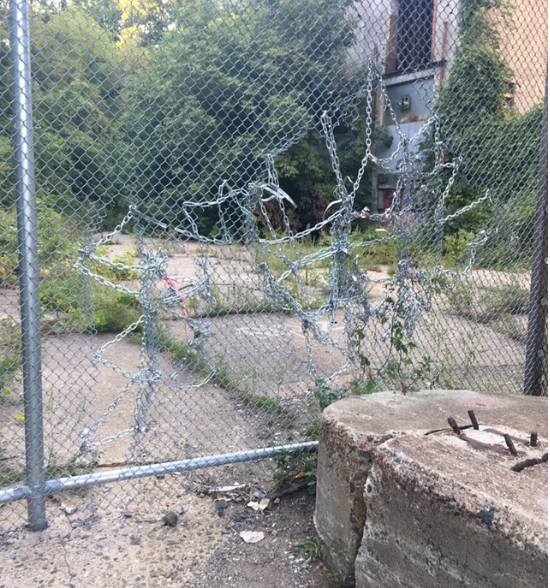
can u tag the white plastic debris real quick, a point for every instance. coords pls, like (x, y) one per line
(68, 509)
(259, 506)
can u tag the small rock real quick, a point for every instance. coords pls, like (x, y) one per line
(179, 509)
(127, 515)
(487, 515)
(170, 519)
(68, 509)
(251, 536)
(221, 505)
(134, 540)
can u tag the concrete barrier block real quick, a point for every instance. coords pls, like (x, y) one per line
(351, 431)
(442, 513)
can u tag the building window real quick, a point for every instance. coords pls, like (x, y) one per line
(411, 36)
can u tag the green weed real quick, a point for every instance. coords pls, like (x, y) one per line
(512, 327)
(295, 467)
(326, 395)
(231, 299)
(113, 311)
(55, 468)
(10, 357)
(121, 267)
(312, 549)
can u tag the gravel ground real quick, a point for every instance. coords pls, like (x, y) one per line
(97, 548)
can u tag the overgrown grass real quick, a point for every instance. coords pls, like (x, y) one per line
(501, 307)
(120, 267)
(69, 303)
(371, 257)
(512, 327)
(231, 299)
(221, 374)
(113, 311)
(55, 468)
(486, 304)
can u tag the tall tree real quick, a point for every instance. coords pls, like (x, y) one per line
(230, 83)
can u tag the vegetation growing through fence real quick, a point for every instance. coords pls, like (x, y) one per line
(498, 146)
(156, 104)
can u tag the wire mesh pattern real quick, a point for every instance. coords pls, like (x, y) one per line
(245, 210)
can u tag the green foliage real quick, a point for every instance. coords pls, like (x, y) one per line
(325, 394)
(498, 146)
(56, 242)
(114, 311)
(219, 101)
(10, 357)
(305, 172)
(485, 304)
(475, 89)
(477, 26)
(312, 549)
(202, 100)
(55, 468)
(231, 299)
(378, 254)
(456, 247)
(78, 80)
(402, 366)
(511, 327)
(120, 268)
(295, 467)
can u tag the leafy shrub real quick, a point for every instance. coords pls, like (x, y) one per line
(455, 247)
(10, 356)
(57, 239)
(113, 310)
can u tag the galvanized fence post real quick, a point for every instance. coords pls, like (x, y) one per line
(536, 360)
(28, 261)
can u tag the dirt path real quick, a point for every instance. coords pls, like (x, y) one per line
(91, 548)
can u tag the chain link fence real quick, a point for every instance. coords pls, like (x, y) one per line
(218, 217)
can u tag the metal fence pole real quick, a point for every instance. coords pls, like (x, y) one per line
(28, 261)
(537, 335)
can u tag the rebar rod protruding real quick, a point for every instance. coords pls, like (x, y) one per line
(454, 426)
(472, 416)
(510, 444)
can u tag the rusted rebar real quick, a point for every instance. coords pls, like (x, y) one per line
(472, 416)
(510, 444)
(528, 463)
(454, 425)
